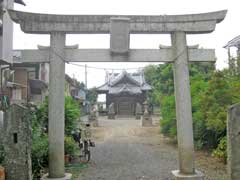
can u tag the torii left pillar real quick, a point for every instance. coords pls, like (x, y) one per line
(56, 108)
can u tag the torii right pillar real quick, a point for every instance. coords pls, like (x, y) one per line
(183, 110)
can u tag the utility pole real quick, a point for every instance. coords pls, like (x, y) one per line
(86, 76)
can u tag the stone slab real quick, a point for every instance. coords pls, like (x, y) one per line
(197, 176)
(67, 176)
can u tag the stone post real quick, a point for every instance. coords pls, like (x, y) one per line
(111, 111)
(93, 118)
(146, 118)
(183, 110)
(17, 143)
(233, 133)
(138, 111)
(56, 107)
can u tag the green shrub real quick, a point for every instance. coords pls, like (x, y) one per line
(211, 91)
(72, 114)
(221, 151)
(168, 121)
(39, 154)
(39, 148)
(69, 146)
(40, 138)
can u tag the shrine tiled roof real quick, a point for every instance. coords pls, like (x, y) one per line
(131, 83)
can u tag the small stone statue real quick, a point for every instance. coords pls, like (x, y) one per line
(111, 111)
(145, 105)
(93, 120)
(138, 111)
(146, 119)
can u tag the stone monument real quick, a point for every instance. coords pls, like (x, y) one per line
(146, 118)
(111, 111)
(138, 111)
(17, 143)
(93, 119)
(233, 134)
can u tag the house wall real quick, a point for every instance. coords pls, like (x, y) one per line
(44, 72)
(21, 77)
(17, 94)
(37, 98)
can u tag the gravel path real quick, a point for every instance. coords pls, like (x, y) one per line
(126, 151)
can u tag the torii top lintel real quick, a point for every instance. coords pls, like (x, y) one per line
(100, 24)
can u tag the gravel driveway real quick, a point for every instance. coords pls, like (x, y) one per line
(126, 151)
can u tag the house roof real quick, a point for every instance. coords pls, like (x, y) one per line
(131, 83)
(235, 42)
(18, 2)
(37, 86)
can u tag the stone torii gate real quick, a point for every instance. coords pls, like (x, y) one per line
(120, 28)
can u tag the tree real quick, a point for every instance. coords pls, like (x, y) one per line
(211, 92)
(161, 79)
(92, 95)
(72, 114)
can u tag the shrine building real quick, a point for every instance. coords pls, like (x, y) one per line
(124, 90)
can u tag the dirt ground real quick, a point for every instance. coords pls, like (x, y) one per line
(126, 151)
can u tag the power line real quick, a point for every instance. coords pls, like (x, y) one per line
(92, 67)
(100, 68)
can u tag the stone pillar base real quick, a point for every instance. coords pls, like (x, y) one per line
(197, 176)
(147, 121)
(68, 176)
(94, 123)
(138, 116)
(111, 116)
